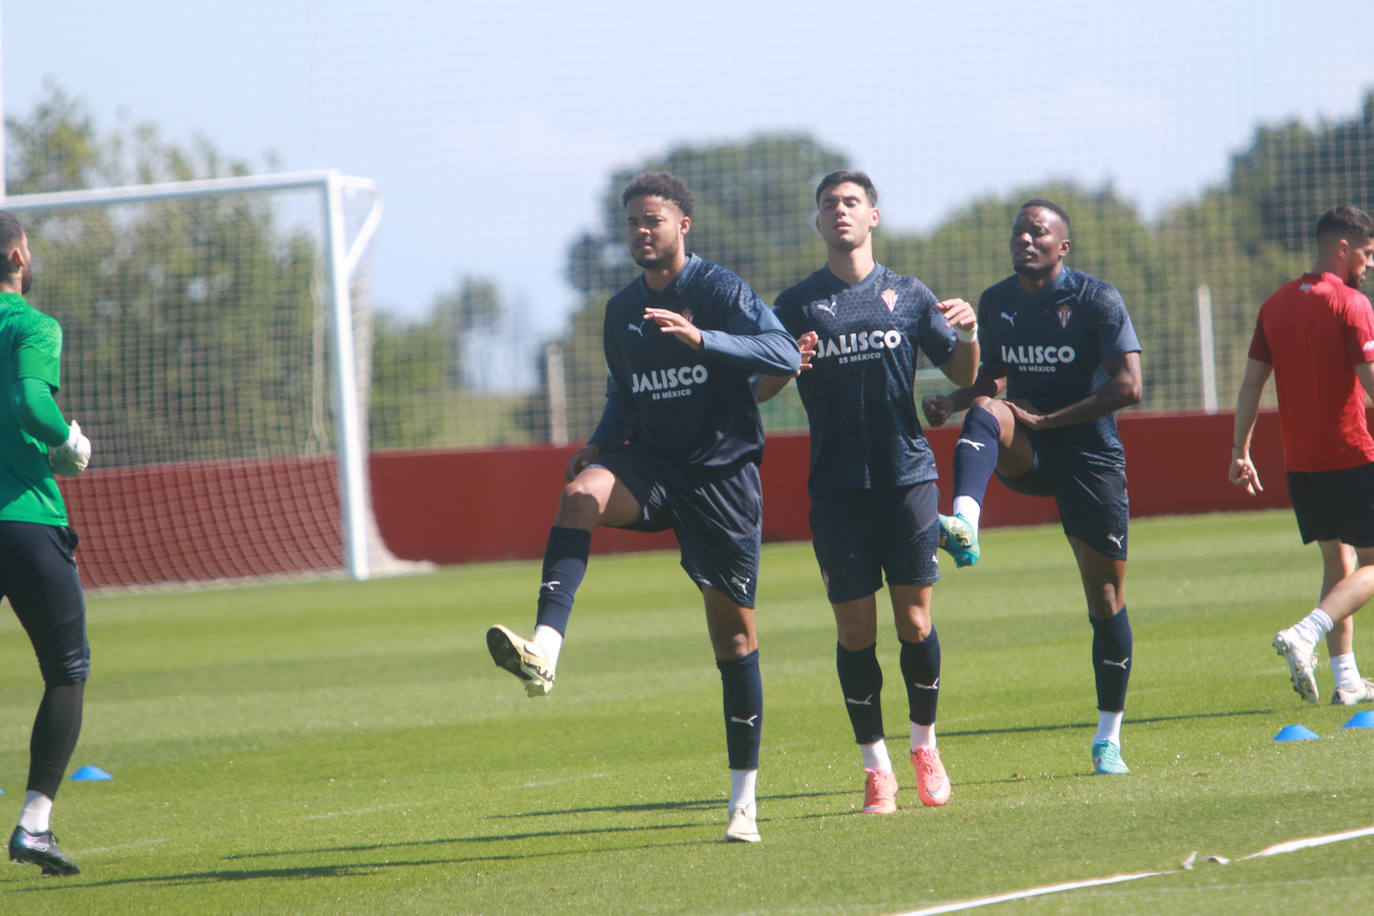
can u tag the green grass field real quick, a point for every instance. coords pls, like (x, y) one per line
(349, 747)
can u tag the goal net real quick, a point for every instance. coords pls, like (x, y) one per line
(215, 341)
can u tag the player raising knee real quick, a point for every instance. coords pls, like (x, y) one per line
(678, 447)
(1061, 345)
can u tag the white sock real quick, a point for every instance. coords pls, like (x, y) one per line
(1347, 673)
(1314, 627)
(37, 811)
(922, 735)
(1109, 727)
(875, 756)
(551, 641)
(742, 788)
(969, 509)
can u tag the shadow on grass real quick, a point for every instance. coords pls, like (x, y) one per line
(715, 806)
(1067, 726)
(359, 869)
(704, 804)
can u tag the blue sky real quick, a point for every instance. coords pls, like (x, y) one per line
(492, 128)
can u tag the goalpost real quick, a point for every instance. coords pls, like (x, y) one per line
(200, 321)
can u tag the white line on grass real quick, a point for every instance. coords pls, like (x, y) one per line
(1277, 849)
(1311, 841)
(1033, 892)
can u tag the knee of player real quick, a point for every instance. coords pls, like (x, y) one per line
(579, 504)
(856, 635)
(68, 668)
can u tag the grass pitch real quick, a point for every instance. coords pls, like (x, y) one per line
(349, 747)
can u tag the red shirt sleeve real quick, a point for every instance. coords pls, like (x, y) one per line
(1359, 330)
(1259, 344)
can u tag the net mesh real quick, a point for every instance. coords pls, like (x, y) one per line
(196, 358)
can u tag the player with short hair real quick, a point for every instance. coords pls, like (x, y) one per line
(678, 446)
(1315, 335)
(1061, 345)
(37, 567)
(874, 496)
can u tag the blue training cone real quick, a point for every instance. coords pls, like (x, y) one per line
(1295, 733)
(1361, 720)
(90, 774)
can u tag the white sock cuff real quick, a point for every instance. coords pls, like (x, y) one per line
(968, 508)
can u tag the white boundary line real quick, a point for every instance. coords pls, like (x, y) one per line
(1308, 843)
(1033, 892)
(1277, 849)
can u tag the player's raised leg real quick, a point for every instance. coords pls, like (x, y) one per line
(735, 644)
(990, 440)
(593, 498)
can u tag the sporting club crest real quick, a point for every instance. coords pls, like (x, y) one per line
(889, 297)
(1065, 312)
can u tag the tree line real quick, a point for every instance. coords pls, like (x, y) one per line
(234, 383)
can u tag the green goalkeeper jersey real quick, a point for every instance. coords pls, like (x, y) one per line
(30, 347)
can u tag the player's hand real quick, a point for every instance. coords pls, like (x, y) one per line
(1243, 473)
(71, 457)
(959, 314)
(807, 345)
(579, 461)
(1027, 416)
(671, 322)
(937, 409)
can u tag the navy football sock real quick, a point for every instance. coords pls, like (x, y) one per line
(975, 453)
(921, 672)
(861, 681)
(565, 563)
(1112, 645)
(742, 689)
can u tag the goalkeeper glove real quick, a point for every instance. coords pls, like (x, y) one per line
(71, 457)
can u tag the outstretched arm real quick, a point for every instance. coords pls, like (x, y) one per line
(767, 386)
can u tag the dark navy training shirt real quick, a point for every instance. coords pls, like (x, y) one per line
(1050, 348)
(858, 393)
(694, 407)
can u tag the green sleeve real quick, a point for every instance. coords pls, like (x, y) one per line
(39, 353)
(37, 413)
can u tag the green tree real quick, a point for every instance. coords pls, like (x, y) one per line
(184, 326)
(754, 214)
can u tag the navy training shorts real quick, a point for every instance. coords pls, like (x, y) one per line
(716, 513)
(860, 534)
(1090, 493)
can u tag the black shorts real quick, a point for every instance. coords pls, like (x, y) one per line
(1334, 505)
(860, 534)
(38, 575)
(717, 515)
(1090, 492)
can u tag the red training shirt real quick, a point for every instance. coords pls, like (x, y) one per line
(1314, 330)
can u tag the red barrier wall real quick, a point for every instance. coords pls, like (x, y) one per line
(455, 507)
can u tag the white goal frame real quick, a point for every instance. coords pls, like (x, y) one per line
(340, 259)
